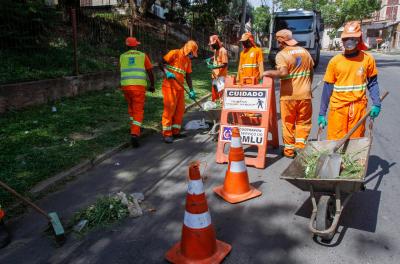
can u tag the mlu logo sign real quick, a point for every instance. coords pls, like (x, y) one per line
(227, 133)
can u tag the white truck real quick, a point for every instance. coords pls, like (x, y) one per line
(307, 28)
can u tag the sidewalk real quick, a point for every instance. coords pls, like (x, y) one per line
(143, 170)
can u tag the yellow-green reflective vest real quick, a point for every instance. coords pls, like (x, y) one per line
(133, 71)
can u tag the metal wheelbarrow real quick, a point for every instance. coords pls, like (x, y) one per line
(333, 194)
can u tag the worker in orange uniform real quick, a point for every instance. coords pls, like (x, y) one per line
(251, 63)
(347, 78)
(135, 67)
(294, 67)
(177, 66)
(4, 233)
(219, 66)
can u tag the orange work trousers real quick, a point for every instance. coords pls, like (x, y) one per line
(296, 124)
(174, 108)
(135, 101)
(342, 120)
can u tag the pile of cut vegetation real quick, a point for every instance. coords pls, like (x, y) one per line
(351, 166)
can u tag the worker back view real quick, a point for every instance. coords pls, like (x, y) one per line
(135, 67)
(295, 69)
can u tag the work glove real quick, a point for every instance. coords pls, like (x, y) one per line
(208, 61)
(212, 67)
(152, 89)
(375, 110)
(192, 94)
(322, 121)
(170, 75)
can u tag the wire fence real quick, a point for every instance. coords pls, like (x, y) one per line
(56, 42)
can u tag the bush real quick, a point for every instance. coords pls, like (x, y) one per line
(25, 24)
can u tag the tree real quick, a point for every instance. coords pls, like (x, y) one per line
(262, 18)
(359, 9)
(305, 4)
(336, 12)
(145, 6)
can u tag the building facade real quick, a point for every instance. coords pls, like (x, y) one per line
(383, 30)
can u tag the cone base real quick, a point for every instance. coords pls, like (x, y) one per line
(174, 255)
(237, 198)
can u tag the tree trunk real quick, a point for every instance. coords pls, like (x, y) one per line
(145, 6)
(133, 9)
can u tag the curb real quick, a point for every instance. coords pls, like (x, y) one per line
(85, 166)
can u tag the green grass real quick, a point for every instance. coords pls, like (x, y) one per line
(37, 143)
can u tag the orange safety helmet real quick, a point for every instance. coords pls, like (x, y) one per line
(352, 29)
(286, 37)
(248, 36)
(190, 46)
(215, 39)
(131, 42)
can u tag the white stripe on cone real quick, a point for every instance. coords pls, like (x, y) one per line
(195, 187)
(238, 166)
(197, 221)
(236, 142)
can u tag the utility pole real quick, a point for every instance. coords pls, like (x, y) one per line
(243, 21)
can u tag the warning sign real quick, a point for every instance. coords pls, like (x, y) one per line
(249, 135)
(245, 99)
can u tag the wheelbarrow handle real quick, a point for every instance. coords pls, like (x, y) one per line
(361, 121)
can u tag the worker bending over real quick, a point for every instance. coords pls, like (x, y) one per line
(177, 66)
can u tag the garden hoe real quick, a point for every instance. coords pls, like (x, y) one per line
(51, 217)
(212, 117)
(328, 166)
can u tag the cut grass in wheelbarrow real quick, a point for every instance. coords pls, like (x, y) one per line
(350, 167)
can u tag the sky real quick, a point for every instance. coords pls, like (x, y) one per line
(256, 3)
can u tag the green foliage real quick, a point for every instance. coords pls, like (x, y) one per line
(305, 4)
(332, 34)
(37, 143)
(262, 18)
(336, 13)
(359, 9)
(351, 167)
(206, 13)
(26, 23)
(104, 212)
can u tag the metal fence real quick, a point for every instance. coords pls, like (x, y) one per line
(61, 42)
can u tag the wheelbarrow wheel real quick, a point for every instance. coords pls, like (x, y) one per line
(325, 215)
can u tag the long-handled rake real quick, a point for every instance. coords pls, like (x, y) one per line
(52, 217)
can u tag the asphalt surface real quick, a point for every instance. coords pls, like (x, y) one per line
(270, 229)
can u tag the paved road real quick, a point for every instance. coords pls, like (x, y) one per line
(270, 229)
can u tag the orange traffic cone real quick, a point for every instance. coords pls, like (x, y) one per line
(198, 244)
(236, 186)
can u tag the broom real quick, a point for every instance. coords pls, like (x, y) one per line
(51, 217)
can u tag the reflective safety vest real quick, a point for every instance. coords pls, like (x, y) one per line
(297, 75)
(133, 71)
(178, 70)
